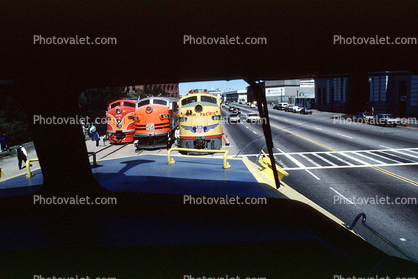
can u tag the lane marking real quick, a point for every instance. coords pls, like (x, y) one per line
(324, 159)
(396, 176)
(341, 195)
(404, 154)
(383, 157)
(310, 160)
(355, 159)
(279, 150)
(341, 160)
(295, 161)
(385, 146)
(347, 166)
(344, 136)
(313, 175)
(380, 162)
(255, 132)
(287, 131)
(318, 128)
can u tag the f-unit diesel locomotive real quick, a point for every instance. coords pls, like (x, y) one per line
(156, 119)
(200, 121)
(120, 121)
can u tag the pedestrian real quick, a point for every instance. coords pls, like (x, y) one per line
(97, 138)
(177, 135)
(92, 132)
(1, 143)
(6, 141)
(22, 155)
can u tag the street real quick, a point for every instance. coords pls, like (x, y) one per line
(345, 167)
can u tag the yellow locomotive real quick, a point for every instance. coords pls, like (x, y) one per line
(200, 121)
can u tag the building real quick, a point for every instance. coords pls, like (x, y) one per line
(171, 88)
(344, 93)
(395, 93)
(293, 91)
(235, 96)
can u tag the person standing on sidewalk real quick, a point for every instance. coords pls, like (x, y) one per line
(97, 138)
(22, 155)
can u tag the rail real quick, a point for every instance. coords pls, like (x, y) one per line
(94, 158)
(363, 222)
(28, 172)
(170, 160)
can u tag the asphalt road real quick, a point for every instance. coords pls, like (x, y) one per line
(347, 168)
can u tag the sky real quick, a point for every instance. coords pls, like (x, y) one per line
(223, 85)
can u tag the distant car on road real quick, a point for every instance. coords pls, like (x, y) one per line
(282, 105)
(288, 108)
(234, 117)
(385, 119)
(296, 109)
(237, 111)
(363, 117)
(253, 118)
(231, 108)
(305, 111)
(252, 106)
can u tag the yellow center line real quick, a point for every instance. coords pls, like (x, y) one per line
(320, 144)
(396, 176)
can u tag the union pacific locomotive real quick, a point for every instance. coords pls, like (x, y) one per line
(120, 121)
(156, 119)
(200, 121)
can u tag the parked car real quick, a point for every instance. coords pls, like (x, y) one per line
(253, 118)
(305, 111)
(363, 117)
(276, 107)
(288, 108)
(282, 105)
(233, 117)
(296, 109)
(385, 120)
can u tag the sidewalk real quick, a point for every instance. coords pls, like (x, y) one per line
(10, 166)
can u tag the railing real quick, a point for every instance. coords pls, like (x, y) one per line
(363, 222)
(170, 160)
(94, 158)
(28, 173)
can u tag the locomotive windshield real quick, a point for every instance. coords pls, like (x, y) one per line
(209, 99)
(159, 102)
(128, 104)
(191, 99)
(114, 105)
(143, 103)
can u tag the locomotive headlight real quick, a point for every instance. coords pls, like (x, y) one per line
(198, 108)
(119, 126)
(118, 120)
(118, 110)
(149, 110)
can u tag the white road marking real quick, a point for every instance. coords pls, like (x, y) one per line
(341, 195)
(318, 128)
(345, 136)
(280, 150)
(310, 160)
(352, 158)
(380, 162)
(295, 161)
(313, 175)
(324, 159)
(385, 146)
(255, 132)
(341, 160)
